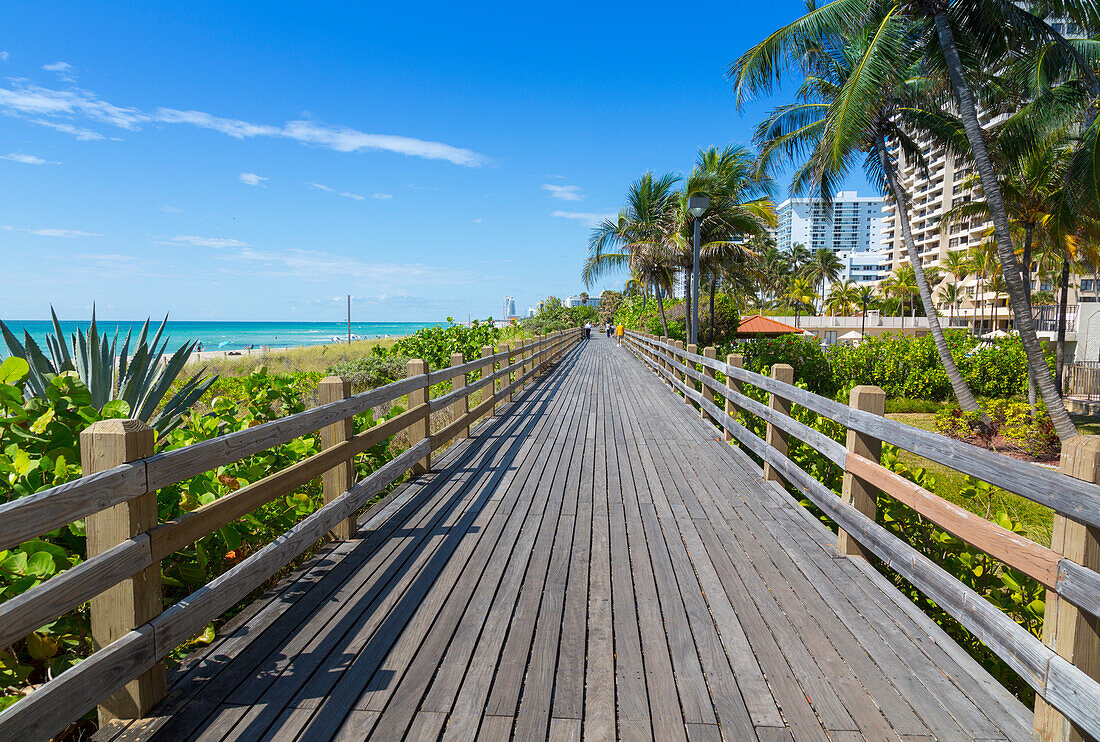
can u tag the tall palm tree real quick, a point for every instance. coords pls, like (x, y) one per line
(952, 293)
(866, 297)
(642, 238)
(824, 266)
(858, 61)
(740, 207)
(843, 298)
(986, 22)
(800, 294)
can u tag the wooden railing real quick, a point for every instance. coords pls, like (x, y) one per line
(120, 578)
(1064, 667)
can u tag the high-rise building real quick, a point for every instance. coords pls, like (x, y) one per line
(932, 195)
(509, 307)
(852, 224)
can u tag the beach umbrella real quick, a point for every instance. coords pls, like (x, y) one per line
(853, 335)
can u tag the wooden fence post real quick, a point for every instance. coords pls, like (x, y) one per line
(422, 428)
(854, 490)
(679, 345)
(737, 360)
(708, 372)
(688, 381)
(486, 372)
(462, 407)
(340, 478)
(134, 601)
(510, 376)
(1069, 631)
(775, 437)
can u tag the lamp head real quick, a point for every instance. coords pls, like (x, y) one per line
(697, 205)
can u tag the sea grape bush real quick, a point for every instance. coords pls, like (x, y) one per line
(436, 344)
(40, 448)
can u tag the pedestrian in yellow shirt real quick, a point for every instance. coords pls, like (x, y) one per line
(619, 331)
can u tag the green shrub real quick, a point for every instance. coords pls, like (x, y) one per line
(371, 371)
(436, 344)
(906, 405)
(805, 354)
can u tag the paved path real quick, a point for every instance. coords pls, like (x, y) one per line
(595, 563)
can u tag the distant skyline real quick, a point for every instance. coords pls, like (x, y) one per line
(260, 162)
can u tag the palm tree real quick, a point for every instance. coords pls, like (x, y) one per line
(800, 294)
(740, 208)
(892, 30)
(982, 18)
(952, 293)
(823, 266)
(843, 298)
(982, 261)
(856, 99)
(866, 297)
(644, 234)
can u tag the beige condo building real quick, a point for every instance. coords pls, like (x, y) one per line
(933, 194)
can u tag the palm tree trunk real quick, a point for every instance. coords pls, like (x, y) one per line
(661, 308)
(1025, 324)
(1032, 390)
(958, 384)
(1063, 305)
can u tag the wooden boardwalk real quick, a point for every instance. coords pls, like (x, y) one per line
(594, 563)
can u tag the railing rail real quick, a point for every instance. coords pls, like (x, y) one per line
(1057, 667)
(125, 675)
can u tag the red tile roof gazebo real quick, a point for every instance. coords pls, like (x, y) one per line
(756, 325)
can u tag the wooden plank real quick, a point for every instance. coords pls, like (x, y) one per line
(1003, 545)
(29, 517)
(135, 600)
(340, 478)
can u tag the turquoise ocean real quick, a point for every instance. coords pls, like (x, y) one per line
(228, 335)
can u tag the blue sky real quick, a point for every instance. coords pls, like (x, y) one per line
(257, 161)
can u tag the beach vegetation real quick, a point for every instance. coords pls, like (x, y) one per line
(119, 377)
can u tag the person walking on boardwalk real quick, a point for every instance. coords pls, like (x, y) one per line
(587, 330)
(619, 331)
(610, 327)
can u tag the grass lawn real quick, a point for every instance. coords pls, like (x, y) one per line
(1036, 519)
(315, 358)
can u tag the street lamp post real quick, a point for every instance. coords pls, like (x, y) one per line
(696, 205)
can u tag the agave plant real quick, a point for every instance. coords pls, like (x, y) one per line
(141, 378)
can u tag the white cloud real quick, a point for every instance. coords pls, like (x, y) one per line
(477, 221)
(564, 192)
(589, 218)
(26, 159)
(172, 209)
(195, 241)
(51, 232)
(63, 70)
(251, 179)
(348, 194)
(45, 106)
(309, 265)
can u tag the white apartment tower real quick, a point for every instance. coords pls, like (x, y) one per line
(852, 224)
